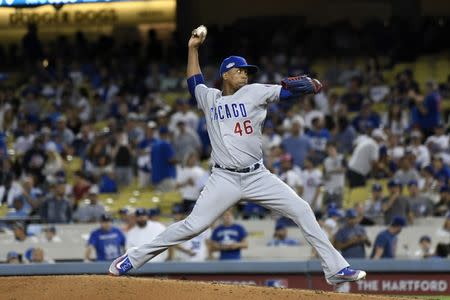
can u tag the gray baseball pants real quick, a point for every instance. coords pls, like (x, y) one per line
(223, 190)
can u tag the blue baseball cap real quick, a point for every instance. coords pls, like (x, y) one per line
(413, 182)
(280, 226)
(140, 212)
(398, 221)
(377, 187)
(236, 62)
(334, 212)
(394, 183)
(154, 212)
(351, 213)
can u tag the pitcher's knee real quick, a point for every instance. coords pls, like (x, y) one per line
(195, 226)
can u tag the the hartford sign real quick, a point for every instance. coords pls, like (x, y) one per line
(422, 286)
(376, 283)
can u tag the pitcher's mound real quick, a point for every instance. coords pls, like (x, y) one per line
(108, 287)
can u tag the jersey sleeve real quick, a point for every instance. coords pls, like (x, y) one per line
(201, 95)
(266, 93)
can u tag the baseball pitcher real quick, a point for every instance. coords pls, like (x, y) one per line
(234, 117)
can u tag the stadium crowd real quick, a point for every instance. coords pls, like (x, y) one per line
(110, 105)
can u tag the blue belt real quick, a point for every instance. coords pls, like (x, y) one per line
(244, 170)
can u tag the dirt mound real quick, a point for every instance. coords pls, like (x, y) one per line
(108, 287)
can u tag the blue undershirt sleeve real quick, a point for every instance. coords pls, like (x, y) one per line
(193, 81)
(285, 94)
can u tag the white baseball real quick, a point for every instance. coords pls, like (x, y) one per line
(201, 32)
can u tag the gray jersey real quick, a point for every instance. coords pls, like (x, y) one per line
(234, 122)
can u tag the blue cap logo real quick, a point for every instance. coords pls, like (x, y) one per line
(236, 62)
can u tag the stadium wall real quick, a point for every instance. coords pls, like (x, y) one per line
(403, 277)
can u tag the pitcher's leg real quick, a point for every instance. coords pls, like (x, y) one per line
(213, 201)
(269, 191)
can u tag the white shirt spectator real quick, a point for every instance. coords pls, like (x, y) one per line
(14, 191)
(23, 144)
(422, 155)
(139, 236)
(198, 176)
(321, 101)
(440, 140)
(292, 179)
(334, 183)
(189, 118)
(365, 153)
(312, 179)
(197, 245)
(85, 109)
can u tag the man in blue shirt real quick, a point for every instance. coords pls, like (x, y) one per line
(319, 137)
(352, 238)
(366, 119)
(229, 238)
(280, 237)
(163, 162)
(385, 244)
(426, 112)
(297, 144)
(441, 170)
(107, 241)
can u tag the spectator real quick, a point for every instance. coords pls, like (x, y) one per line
(127, 220)
(442, 208)
(289, 175)
(185, 115)
(34, 160)
(186, 141)
(385, 245)
(229, 238)
(50, 235)
(441, 171)
(123, 160)
(366, 118)
(345, 135)
(442, 251)
(143, 154)
(92, 211)
(396, 205)
(108, 242)
(334, 167)
(425, 250)
(406, 173)
(363, 158)
(353, 97)
(36, 255)
(191, 179)
(62, 134)
(9, 190)
(421, 206)
(352, 238)
(57, 208)
(18, 209)
(297, 144)
(312, 178)
(154, 214)
(270, 137)
(195, 249)
(443, 233)
(373, 206)
(13, 258)
(143, 232)
(421, 152)
(426, 111)
(163, 162)
(319, 136)
(439, 142)
(280, 238)
(396, 119)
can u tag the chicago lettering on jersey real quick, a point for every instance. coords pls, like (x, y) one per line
(228, 111)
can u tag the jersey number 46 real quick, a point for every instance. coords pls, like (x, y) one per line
(247, 125)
